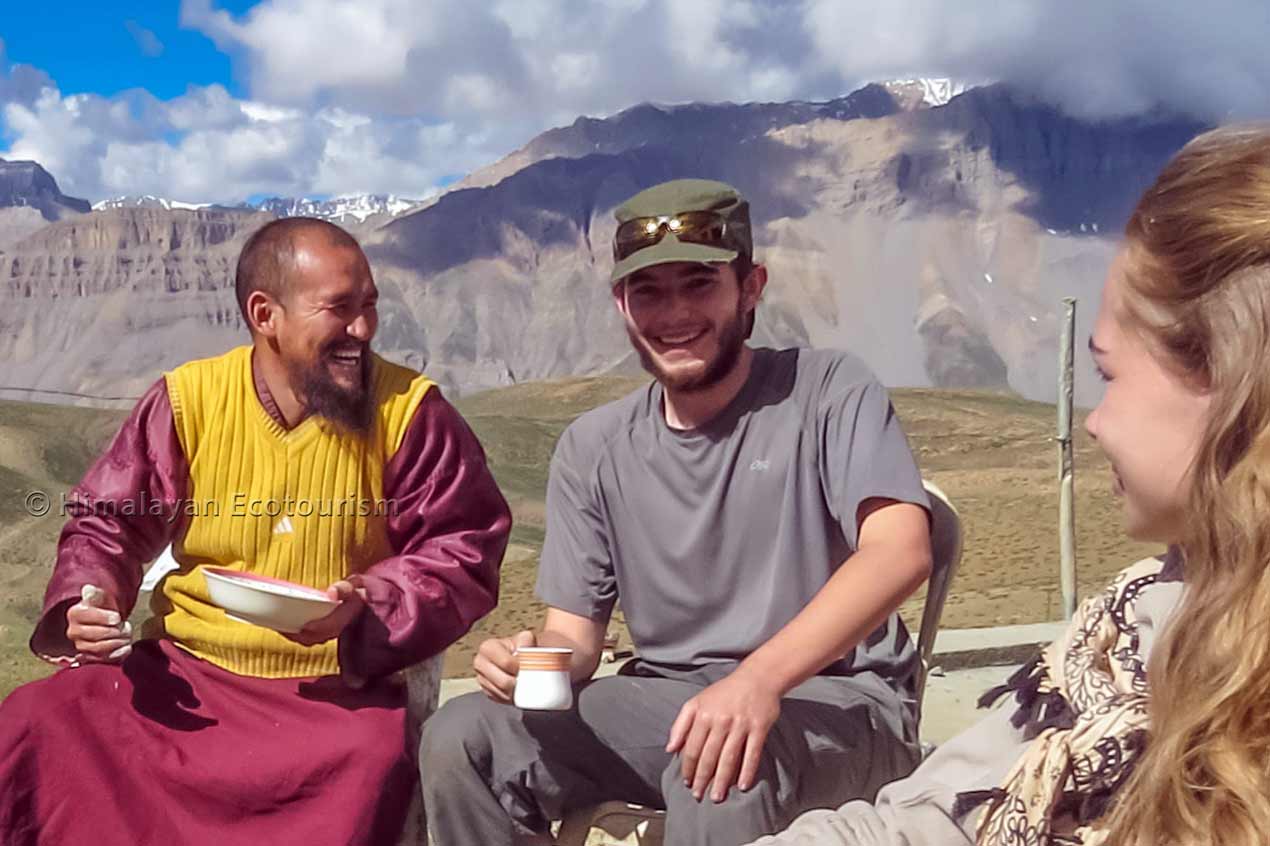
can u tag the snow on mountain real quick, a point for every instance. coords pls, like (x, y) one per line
(930, 91)
(147, 201)
(339, 209)
(376, 208)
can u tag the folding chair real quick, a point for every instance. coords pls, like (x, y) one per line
(423, 694)
(945, 548)
(621, 820)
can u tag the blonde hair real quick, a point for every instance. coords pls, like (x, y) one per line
(1198, 286)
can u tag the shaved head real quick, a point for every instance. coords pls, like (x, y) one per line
(268, 258)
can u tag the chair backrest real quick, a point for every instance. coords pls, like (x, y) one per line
(423, 688)
(945, 544)
(423, 692)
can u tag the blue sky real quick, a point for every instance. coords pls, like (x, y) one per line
(95, 47)
(219, 100)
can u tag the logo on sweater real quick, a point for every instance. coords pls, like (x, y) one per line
(283, 526)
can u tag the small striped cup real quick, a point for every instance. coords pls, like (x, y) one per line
(542, 681)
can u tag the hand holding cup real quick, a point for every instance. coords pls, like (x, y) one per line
(496, 665)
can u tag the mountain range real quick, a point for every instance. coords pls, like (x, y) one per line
(364, 211)
(30, 199)
(931, 230)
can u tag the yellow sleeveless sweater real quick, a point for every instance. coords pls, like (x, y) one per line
(304, 504)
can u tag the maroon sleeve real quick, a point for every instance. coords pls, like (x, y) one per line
(448, 523)
(121, 516)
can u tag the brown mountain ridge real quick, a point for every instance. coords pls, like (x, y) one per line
(935, 242)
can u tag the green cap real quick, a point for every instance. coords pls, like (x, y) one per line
(685, 195)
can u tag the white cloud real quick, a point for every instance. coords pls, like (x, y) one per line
(574, 71)
(205, 146)
(396, 95)
(267, 113)
(504, 60)
(1095, 58)
(299, 49)
(521, 58)
(205, 108)
(20, 83)
(49, 131)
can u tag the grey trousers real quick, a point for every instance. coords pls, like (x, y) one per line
(491, 772)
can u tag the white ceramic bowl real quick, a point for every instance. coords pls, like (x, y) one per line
(262, 601)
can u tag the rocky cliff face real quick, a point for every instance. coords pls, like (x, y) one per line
(27, 184)
(17, 222)
(706, 125)
(102, 303)
(934, 241)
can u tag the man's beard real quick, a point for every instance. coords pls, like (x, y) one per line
(731, 342)
(348, 408)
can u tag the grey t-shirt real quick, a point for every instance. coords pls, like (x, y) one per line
(715, 538)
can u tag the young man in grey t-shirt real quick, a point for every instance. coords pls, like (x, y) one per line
(759, 515)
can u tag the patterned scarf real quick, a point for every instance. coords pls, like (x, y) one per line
(1083, 704)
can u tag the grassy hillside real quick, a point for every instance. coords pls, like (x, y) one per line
(44, 449)
(993, 454)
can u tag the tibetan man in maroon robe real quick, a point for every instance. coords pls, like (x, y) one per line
(303, 457)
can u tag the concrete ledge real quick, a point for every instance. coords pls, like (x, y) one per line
(955, 649)
(958, 649)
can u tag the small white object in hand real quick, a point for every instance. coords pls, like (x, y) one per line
(91, 596)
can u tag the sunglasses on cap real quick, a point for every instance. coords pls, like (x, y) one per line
(708, 228)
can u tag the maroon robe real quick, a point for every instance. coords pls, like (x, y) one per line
(169, 748)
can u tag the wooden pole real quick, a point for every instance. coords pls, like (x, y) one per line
(1066, 515)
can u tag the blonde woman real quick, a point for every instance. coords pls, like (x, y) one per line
(1079, 749)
